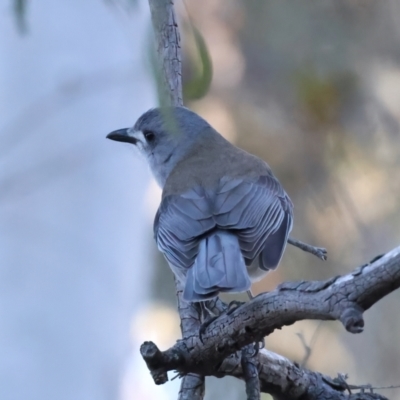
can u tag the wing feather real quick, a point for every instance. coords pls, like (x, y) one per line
(254, 210)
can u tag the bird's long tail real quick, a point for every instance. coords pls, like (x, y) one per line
(219, 267)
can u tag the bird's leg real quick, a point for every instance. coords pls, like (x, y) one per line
(235, 304)
(208, 316)
(319, 252)
(206, 311)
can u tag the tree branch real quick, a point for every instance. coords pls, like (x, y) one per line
(192, 385)
(168, 50)
(289, 381)
(286, 380)
(250, 373)
(343, 298)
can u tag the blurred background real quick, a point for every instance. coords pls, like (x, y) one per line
(311, 87)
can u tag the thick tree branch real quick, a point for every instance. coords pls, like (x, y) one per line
(287, 380)
(343, 298)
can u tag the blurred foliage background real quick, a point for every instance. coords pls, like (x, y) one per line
(313, 88)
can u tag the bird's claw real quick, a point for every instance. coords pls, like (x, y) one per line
(205, 325)
(258, 346)
(233, 305)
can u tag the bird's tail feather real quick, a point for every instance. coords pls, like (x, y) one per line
(219, 267)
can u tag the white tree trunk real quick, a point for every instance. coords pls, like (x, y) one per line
(72, 247)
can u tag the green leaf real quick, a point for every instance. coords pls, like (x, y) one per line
(199, 83)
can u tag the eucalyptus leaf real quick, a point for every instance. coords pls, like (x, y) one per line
(199, 83)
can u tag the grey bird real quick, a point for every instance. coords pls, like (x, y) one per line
(224, 219)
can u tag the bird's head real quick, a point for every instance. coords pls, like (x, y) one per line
(164, 136)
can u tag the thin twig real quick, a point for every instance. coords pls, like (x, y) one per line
(319, 252)
(308, 348)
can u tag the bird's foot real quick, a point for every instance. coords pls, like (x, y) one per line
(234, 305)
(205, 325)
(258, 346)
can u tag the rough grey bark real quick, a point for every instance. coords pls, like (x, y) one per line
(168, 43)
(250, 372)
(192, 385)
(342, 298)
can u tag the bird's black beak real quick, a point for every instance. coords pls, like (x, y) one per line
(121, 135)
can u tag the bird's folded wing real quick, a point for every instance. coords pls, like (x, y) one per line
(254, 209)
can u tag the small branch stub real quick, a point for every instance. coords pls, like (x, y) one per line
(153, 357)
(319, 252)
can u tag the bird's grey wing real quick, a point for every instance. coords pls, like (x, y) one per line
(260, 212)
(206, 258)
(257, 211)
(180, 224)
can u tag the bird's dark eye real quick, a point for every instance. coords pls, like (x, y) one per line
(149, 136)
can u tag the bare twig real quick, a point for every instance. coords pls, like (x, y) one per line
(319, 252)
(308, 347)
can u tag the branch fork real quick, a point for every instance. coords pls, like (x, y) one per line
(342, 298)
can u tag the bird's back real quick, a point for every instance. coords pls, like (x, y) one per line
(211, 159)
